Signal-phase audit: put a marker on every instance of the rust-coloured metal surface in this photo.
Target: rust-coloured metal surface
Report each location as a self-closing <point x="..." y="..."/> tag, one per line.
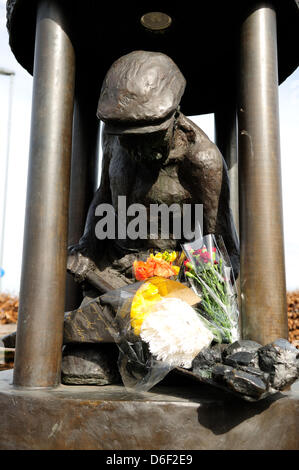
<point x="262" y="280"/>
<point x="40" y="323"/>
<point x="110" y="418"/>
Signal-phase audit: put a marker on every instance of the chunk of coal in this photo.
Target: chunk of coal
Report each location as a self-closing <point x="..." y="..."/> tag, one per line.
<point x="264" y="376"/>
<point x="245" y="384"/>
<point x="241" y="345"/>
<point x="281" y="360"/>
<point x="220" y="371"/>
<point x="86" y="364"/>
<point x="242" y="358"/>
<point x="207" y="358"/>
<point x="284" y="344"/>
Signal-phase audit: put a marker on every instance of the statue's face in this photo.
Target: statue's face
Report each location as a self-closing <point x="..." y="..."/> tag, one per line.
<point x="147" y="147"/>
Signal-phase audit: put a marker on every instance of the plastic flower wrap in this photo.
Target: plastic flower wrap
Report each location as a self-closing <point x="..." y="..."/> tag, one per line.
<point x="158" y="330"/>
<point x="209" y="272"/>
<point x="161" y="323"/>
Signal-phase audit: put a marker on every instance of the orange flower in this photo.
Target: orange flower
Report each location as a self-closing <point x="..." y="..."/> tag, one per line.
<point x="153" y="267"/>
<point x="142" y="270"/>
<point x="163" y="269"/>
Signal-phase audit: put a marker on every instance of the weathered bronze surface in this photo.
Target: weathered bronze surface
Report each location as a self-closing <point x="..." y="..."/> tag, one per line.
<point x="97" y="418"/>
<point x="156" y="21"/>
<point x="205" y="46"/>
<point x="86" y="324"/>
<point x="185" y="164"/>
<point x="85" y="364"/>
<point x="140" y="93"/>
<point x="263" y="287"/>
<point x="40" y="323"/>
<point x="94" y="417"/>
<point x="153" y="154"/>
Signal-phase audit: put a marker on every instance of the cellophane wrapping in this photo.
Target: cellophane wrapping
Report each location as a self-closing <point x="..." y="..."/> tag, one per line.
<point x="156" y="329"/>
<point x="209" y="272"/>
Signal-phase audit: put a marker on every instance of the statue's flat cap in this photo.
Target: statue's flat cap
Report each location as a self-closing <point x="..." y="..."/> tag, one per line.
<point x="140" y="92"/>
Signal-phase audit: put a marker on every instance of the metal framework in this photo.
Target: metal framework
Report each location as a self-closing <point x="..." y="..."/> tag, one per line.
<point x="42" y="295"/>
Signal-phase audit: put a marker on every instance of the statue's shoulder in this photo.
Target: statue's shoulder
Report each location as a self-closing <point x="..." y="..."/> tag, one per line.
<point x="194" y="134"/>
<point x="199" y="143"/>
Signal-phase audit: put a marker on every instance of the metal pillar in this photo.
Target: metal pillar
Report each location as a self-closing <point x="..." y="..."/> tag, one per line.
<point x="263" y="288"/>
<point x="84" y="173"/>
<point x="226" y="141"/>
<point x="40" y="324"/>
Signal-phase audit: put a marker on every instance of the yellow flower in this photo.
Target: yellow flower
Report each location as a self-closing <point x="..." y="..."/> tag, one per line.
<point x="166" y="256"/>
<point x="144" y="299"/>
<point x="176" y="269"/>
<point x="172" y="256"/>
<point x="154" y="291"/>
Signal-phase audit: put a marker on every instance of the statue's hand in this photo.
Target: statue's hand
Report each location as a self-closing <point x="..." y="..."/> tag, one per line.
<point x="79" y="265"/>
<point x="80" y="247"/>
<point x="88" y="246"/>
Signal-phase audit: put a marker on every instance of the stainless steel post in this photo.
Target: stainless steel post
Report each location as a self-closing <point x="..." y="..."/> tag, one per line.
<point x="40" y="324"/>
<point x="263" y="288"/>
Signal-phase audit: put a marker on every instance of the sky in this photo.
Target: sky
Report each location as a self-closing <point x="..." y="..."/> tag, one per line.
<point x="19" y="150"/>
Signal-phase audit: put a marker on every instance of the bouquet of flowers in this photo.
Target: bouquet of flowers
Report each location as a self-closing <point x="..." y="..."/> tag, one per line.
<point x="157" y="329"/>
<point x="159" y="264"/>
<point x="209" y="272"/>
<point x="162" y="323"/>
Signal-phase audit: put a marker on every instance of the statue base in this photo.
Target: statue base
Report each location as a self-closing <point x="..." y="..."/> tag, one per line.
<point x="111" y="418"/>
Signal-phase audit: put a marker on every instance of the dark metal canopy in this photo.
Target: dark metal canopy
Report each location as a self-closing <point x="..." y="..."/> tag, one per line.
<point x="203" y="40"/>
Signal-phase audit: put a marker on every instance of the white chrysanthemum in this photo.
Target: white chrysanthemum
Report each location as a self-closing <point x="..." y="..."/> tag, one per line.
<point x="174" y="332"/>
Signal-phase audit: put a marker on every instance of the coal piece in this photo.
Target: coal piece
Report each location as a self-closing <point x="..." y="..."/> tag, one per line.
<point x="220" y="371"/>
<point x="281" y="360"/>
<point x="245" y="384"/>
<point x="241" y="345"/>
<point x="242" y="358"/>
<point x="207" y="358"/>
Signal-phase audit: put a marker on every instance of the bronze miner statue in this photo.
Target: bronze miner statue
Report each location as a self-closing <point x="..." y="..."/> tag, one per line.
<point x="152" y="154"/>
